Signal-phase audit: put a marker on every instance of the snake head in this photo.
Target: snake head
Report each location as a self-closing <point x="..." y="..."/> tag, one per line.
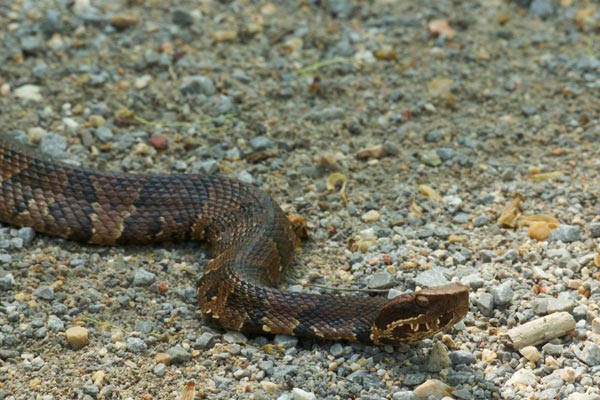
<point x="415" y="316"/>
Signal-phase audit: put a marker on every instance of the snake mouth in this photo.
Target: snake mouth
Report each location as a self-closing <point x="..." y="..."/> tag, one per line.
<point x="419" y="315"/>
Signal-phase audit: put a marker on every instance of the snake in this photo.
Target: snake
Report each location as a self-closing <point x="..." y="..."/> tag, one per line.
<point x="251" y="241"/>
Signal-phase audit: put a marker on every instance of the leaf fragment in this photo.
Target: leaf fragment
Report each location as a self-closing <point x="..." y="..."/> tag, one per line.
<point x="336" y="179"/>
<point x="512" y="211"/>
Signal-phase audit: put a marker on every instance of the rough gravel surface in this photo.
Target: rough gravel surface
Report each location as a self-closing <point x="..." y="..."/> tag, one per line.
<point x="439" y="114"/>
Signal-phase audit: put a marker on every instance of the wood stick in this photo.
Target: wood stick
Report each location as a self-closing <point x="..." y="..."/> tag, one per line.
<point x="541" y="330"/>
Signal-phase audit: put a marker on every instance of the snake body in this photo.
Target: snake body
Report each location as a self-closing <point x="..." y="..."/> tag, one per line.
<point x="250" y="237"/>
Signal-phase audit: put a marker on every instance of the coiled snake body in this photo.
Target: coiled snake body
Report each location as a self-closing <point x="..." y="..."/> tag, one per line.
<point x="250" y="237"/>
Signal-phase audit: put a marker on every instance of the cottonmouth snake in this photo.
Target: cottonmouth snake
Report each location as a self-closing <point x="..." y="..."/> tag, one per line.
<point x="250" y="237"/>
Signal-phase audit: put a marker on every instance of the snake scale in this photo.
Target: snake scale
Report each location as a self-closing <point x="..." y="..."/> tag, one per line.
<point x="250" y="237"/>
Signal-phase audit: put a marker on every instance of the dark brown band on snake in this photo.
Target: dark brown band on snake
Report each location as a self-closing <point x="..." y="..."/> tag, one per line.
<point x="250" y="237"/>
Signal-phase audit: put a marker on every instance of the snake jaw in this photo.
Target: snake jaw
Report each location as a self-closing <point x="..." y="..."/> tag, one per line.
<point x="415" y="316"/>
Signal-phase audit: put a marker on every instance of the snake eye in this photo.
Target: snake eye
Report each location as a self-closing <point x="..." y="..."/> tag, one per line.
<point x="422" y="301"/>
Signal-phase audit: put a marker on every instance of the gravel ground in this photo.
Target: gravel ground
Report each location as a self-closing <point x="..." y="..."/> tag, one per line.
<point x="438" y="114"/>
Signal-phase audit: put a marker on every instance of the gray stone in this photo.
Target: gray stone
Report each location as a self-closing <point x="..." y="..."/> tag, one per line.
<point x="452" y="203"/>
<point x="160" y="369"/>
<point x="553" y="349"/>
<point x="198" y="84"/>
<point x="433" y="136"/>
<point x="403" y="396"/>
<point x="480" y="221"/>
<point x="326" y="114"/>
<point x="103" y="134"/>
<point x="31" y="43"/>
<point x="462" y="357"/>
<point x="474" y="281"/>
<point x="445" y="153"/>
<point x="595" y="230"/>
<point x="549" y="305"/>
<point x="340" y="8"/>
<point x="245" y="176"/>
<point x="208" y="167"/>
<point x="181" y="17"/>
<point x="381" y="280"/>
<point x="55" y="324"/>
<point x="90" y="389"/>
<point x="566" y="233"/>
<point x="590" y="354"/>
<point x="438" y="358"/>
<point x="336" y="349"/>
<point x="44" y="292"/>
<point x="206" y="340"/>
<point x="260" y="143"/>
<point x="485" y="302"/>
<point x="52" y="23"/>
<point x="16" y="243"/>
<point x="178" y="355"/>
<point x="136" y="345"/>
<point x="144" y="326"/>
<point x="502" y="294"/>
<point x="224" y="105"/>
<point x="7" y="281"/>
<point x="285" y="341"/>
<point x="235" y="337"/>
<point x="141" y="277"/>
<point x="6" y="259"/>
<point x="53" y="145"/>
<point x="27" y="234"/>
<point x="430" y="278"/>
<point x="414" y="379"/>
<point x="179" y="165"/>
<point x="430" y="158"/>
<point x="542" y="8"/>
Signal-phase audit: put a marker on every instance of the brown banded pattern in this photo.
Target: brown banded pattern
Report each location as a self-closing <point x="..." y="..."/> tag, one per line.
<point x="251" y="239"/>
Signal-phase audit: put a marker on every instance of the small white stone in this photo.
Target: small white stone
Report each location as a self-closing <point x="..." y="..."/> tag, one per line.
<point x="299" y="394"/>
<point x="29" y="92"/>
<point x="523" y="377"/>
<point x="371" y="216"/>
<point x="531" y="353"/>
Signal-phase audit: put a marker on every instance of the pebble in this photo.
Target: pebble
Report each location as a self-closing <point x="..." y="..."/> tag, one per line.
<point x="566" y="233"/>
<point x="198" y="85"/>
<point x="432" y="388"/>
<point x="77" y="337"/>
<point x="431" y="278"/>
<point x="206" y="340"/>
<point x="523" y="377"/>
<point x="29" y="92"/>
<point x="459" y="357"/>
<point x="261" y="143"/>
<point x="53" y="145"/>
<point x="179" y="355"/>
<point x="485" y="302"/>
<point x="381" y="280"/>
<point x="502" y="294"/>
<point x="541" y="8"/>
<point x="433" y="136"/>
<point x="44" y="292"/>
<point x="159" y="142"/>
<point x="55" y="323"/>
<point x="136" y="345"/>
<point x="6" y="281"/>
<point x="299" y="394"/>
<point x="181" y="17"/>
<point x="141" y="277"/>
<point x="371" y="216"/>
<point x="445" y="153"/>
<point x="430" y="158"/>
<point x="104" y="134"/>
<point x="336" y="349"/>
<point x="590" y="354"/>
<point x="595" y="230"/>
<point x="286" y="341"/>
<point x="531" y="353"/>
